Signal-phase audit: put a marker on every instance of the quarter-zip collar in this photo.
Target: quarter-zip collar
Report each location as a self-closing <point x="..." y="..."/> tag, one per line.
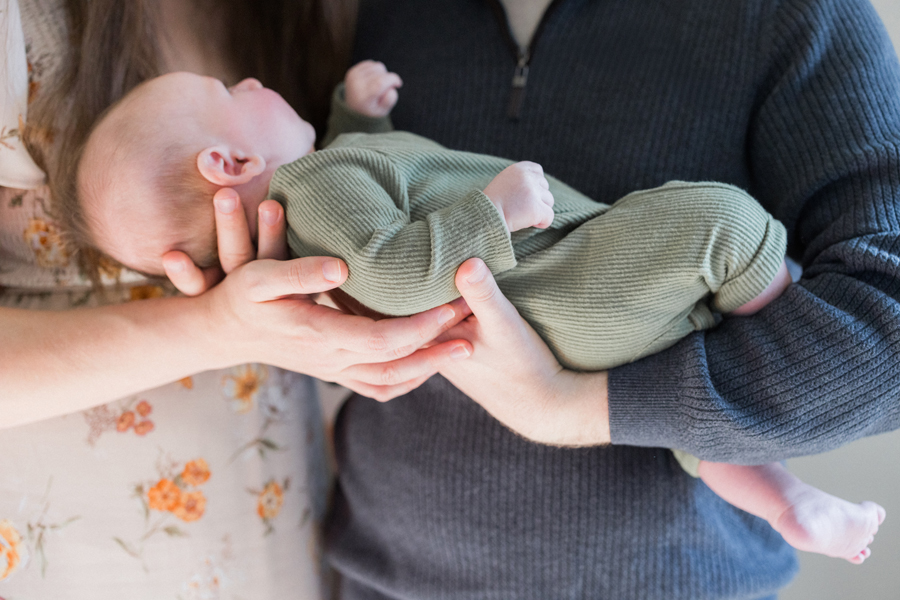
<point x="521" y="54"/>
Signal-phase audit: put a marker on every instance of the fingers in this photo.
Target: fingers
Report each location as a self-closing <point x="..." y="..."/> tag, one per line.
<point x="186" y="276"/>
<point x="389" y="339"/>
<point x="370" y="89"/>
<point x="272" y="226"/>
<point x="267" y="280"/>
<point x="477" y="286"/>
<point x="384" y="381"/>
<point x="545" y="212"/>
<point x="383" y="393"/>
<point x="232" y="231"/>
<point x="388" y="100"/>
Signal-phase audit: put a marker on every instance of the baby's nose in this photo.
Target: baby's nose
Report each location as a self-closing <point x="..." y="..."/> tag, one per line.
<point x="247" y="85"/>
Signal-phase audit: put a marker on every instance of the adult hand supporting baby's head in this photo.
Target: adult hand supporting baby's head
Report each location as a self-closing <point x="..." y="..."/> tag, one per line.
<point x="264" y="312"/>
<point x="234" y="243"/>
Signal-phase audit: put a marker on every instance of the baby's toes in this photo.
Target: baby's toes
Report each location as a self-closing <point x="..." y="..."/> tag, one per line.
<point x="859" y="558"/>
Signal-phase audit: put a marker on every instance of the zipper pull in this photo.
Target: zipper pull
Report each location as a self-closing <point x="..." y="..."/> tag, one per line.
<point x="517" y="95"/>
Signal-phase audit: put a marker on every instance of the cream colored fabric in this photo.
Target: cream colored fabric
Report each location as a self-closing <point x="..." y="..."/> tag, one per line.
<point x="16" y="167"/>
<point x="208" y="488"/>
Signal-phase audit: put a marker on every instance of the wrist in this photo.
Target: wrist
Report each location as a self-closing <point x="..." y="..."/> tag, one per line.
<point x="212" y="335"/>
<point x="585" y="400"/>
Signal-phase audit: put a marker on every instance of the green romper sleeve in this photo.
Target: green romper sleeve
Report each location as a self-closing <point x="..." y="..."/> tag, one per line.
<point x="354" y="204"/>
<point x="342" y="119"/>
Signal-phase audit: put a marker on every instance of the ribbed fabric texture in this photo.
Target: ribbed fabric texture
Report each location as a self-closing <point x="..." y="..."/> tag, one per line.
<point x="796" y="101"/>
<point x="603" y="286"/>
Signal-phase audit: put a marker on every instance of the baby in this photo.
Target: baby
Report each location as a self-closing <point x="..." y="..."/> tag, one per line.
<point x="603" y="285"/>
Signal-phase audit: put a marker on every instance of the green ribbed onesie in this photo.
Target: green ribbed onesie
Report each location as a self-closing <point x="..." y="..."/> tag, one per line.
<point x="603" y="285"/>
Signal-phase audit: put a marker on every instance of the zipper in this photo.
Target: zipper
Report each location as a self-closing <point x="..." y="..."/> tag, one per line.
<point x="522" y="56"/>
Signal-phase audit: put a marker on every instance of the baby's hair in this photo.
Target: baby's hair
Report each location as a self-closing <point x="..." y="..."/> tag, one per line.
<point x="186" y="193"/>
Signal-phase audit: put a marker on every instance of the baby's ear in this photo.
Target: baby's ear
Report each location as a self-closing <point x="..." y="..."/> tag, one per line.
<point x="223" y="166"/>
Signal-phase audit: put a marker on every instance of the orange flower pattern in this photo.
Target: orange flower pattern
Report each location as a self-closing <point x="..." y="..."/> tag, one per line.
<point x="164" y="496"/>
<point x="36" y="561"/>
<point x="11" y="549"/>
<point x="191" y="506"/>
<point x="176" y="496"/>
<point x="242" y="386"/>
<point x="128" y="417"/>
<point x="45" y="241"/>
<point x="196" y="472"/>
<point x="270" y="501"/>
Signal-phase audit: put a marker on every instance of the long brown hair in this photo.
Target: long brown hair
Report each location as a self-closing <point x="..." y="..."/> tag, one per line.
<point x="299" y="48"/>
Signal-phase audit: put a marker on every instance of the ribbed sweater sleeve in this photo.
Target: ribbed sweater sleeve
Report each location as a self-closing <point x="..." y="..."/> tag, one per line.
<point x="819" y="366"/>
<point x="343" y="119"/>
<point x="354" y="203"/>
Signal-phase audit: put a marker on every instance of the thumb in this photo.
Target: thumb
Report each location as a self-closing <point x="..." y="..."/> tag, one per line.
<point x="479" y="289"/>
<point x="188" y="277"/>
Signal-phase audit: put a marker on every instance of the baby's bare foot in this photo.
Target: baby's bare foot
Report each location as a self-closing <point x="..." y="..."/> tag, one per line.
<point x="821" y="523"/>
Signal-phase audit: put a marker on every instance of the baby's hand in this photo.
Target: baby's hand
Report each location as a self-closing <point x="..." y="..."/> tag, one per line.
<point x="370" y="89"/>
<point x="522" y="195"/>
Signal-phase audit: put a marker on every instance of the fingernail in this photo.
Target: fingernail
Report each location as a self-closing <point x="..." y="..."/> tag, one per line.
<point x="459" y="352"/>
<point x="175" y="266"/>
<point x="225" y="205"/>
<point x="331" y="269"/>
<point x="269" y="217"/>
<point x="478" y="274"/>
<point x="445" y="315"/>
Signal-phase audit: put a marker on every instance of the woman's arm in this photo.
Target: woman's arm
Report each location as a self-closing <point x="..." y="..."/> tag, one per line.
<point x="59" y="362"/>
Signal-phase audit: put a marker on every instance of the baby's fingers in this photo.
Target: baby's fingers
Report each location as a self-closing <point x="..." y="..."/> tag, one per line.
<point x="381" y="85"/>
<point x="545" y="217"/>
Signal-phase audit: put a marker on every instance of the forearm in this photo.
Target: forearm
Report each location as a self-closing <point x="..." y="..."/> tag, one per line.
<point x="819" y="366"/>
<point x="56" y="362"/>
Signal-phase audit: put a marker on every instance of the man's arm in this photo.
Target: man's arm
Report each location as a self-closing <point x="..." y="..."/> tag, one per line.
<point x="819" y="366"/>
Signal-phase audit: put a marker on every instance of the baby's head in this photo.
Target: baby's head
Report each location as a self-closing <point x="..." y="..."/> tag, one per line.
<point x="151" y="166"/>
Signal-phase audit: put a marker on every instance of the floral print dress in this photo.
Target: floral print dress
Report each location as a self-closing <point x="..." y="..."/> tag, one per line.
<point x="208" y="488"/>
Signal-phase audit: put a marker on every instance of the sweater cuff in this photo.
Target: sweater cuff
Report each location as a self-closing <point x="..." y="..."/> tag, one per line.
<point x="643" y="408"/>
<point x="753" y="280"/>
<point x="343" y="119"/>
<point x="490" y="240"/>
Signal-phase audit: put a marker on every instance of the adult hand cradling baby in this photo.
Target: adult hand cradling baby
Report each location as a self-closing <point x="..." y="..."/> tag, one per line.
<point x="381" y="359"/>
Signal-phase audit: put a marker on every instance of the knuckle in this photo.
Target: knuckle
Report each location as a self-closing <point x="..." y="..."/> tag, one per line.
<point x="484" y="292"/>
<point x="296" y="277"/>
<point x="377" y="342"/>
<point x="390" y="375"/>
<point x="403" y="351"/>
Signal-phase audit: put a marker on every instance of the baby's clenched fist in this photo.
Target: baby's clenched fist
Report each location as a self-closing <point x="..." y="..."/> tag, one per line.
<point x="522" y="195"/>
<point x="370" y="89"/>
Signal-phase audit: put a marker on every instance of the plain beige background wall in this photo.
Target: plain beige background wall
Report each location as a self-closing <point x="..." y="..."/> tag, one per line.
<point x="864" y="470"/>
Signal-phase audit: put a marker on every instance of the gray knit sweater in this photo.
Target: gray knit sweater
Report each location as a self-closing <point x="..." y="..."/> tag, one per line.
<point x="797" y="101"/>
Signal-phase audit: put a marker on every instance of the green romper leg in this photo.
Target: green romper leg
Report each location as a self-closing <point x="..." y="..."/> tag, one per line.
<point x="647" y="272"/>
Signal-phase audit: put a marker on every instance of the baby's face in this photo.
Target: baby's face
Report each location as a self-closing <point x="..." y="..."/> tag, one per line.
<point x="132" y="220"/>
